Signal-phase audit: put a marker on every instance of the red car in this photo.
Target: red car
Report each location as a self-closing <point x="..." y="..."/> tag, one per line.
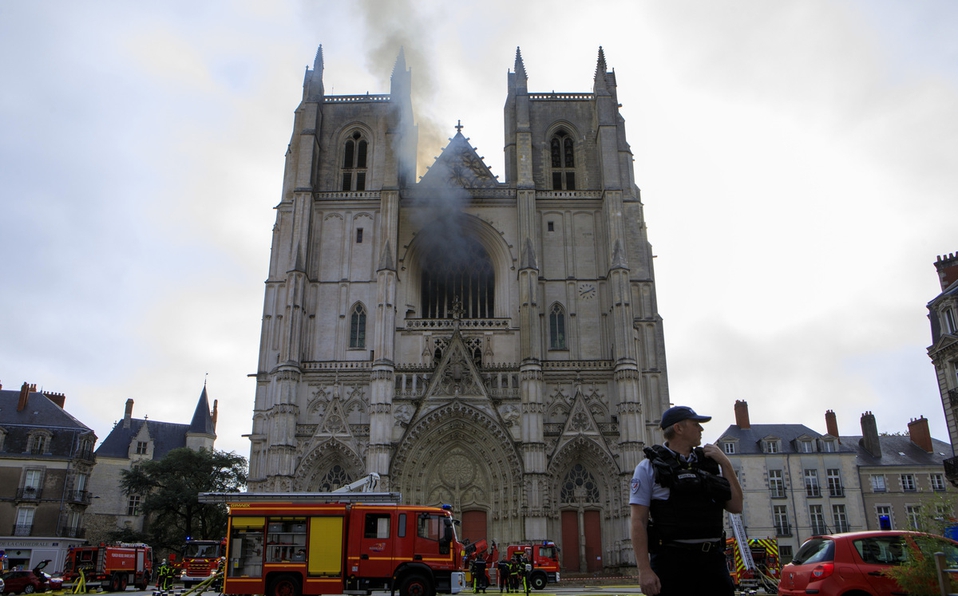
<point x="851" y="563"/>
<point x="28" y="582"/>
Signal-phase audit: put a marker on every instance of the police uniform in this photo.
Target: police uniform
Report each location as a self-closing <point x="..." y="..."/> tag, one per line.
<point x="686" y="499"/>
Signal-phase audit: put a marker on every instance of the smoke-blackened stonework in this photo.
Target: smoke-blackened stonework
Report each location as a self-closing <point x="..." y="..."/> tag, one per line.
<point x="494" y="345"/>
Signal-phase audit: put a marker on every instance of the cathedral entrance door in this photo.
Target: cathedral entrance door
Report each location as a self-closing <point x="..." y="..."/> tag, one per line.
<point x="474" y="525"/>
<point x="581" y="540"/>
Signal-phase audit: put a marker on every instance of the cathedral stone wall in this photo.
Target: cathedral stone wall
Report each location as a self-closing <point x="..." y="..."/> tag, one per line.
<point x="493" y="345"/>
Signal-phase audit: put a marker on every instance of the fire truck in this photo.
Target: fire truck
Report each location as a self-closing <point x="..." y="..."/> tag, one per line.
<point x="201" y="558"/>
<point x="752" y="562"/>
<point x="110" y="566"/>
<point x="282" y="544"/>
<point x="544" y="556"/>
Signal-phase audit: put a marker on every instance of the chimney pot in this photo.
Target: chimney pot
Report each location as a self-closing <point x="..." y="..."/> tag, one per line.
<point x="741" y="414"/>
<point x="128" y="415"/>
<point x="870" y="435"/>
<point x="920" y="434"/>
<point x="24" y="396"/>
<point x="831" y="424"/>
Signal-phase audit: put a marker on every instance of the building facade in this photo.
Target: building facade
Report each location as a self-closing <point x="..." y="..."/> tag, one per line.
<point x="901" y="475"/>
<point x="493" y="345"/>
<point x="796" y="482"/>
<point x="132" y="441"/>
<point x="46" y="459"/>
<point x="943" y="316"/>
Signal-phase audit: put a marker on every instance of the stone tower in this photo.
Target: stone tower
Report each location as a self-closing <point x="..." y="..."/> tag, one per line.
<point x="491" y="345"/>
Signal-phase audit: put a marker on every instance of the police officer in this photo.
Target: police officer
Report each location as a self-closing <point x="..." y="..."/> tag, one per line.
<point x="678" y="494"/>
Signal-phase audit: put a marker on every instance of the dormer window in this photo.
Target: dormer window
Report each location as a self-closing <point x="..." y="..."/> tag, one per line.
<point x="729" y="447"/>
<point x="771" y="446"/>
<point x="38" y="443"/>
<point x="807" y="446"/>
<point x="562" y="151"/>
<point x="828" y="446"/>
<point x="354" y="162"/>
<point x="141" y="447"/>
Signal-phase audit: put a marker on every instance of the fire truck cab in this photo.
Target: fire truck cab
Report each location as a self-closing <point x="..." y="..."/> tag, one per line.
<point x="292" y="544"/>
<point x="201" y="559"/>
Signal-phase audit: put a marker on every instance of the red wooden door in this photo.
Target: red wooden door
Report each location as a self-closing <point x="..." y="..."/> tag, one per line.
<point x="473" y="526"/>
<point x="593" y="541"/>
<point x="570" y="541"/>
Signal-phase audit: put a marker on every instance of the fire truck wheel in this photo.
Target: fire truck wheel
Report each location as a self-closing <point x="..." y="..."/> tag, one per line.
<point x="115" y="583"/>
<point x="415" y="585"/>
<point x="124" y="582"/>
<point x="283" y="585"/>
<point x="538" y="581"/>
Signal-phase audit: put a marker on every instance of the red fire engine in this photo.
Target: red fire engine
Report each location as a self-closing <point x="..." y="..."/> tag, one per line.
<point x="289" y="544"/>
<point x="201" y="559"/>
<point x="544" y="557"/>
<point x="110" y="566"/>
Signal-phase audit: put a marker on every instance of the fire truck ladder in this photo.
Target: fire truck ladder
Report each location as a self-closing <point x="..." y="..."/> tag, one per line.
<point x="742" y="540"/>
<point x="333" y="497"/>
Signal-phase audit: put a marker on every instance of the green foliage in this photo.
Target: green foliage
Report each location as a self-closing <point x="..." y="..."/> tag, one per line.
<point x="917" y="576"/>
<point x="169" y="489"/>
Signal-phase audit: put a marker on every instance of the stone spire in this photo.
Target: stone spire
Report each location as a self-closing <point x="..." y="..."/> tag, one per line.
<point x="600" y="70"/>
<point x="520" y="69"/>
<point x="400" y="66"/>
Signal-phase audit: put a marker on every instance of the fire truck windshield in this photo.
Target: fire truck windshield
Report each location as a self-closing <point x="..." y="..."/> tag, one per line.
<point x="200" y="550"/>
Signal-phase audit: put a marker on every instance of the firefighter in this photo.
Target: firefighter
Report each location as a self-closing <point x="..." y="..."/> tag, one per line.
<point x="514" y="573"/>
<point x="526" y="572"/>
<point x="503" y="575"/>
<point x="479" y="579"/>
<point x="164" y="580"/>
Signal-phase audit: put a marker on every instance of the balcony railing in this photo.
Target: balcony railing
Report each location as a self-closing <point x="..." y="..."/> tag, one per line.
<point x="813" y="490"/>
<point x="73" y="532"/>
<point x="80" y="497"/>
<point x="841" y="526"/>
<point x="783" y="529"/>
<point x="29" y="493"/>
<point x="22" y="529"/>
<point x="777" y="492"/>
<point x="819" y="528"/>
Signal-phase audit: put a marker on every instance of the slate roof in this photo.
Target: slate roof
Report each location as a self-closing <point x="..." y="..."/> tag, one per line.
<point x="750" y="439"/>
<point x="900" y="451"/>
<point x="166" y="436"/>
<point x="39" y="412"/>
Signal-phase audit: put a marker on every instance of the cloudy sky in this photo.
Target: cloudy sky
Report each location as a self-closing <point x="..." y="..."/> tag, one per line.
<point x="798" y="162"/>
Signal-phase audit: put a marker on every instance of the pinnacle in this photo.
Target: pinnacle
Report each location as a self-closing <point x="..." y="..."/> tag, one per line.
<point x="520" y="66"/>
<point x="400" y="62"/>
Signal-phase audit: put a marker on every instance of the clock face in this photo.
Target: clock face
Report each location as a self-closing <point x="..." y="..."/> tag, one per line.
<point x="587" y="291"/>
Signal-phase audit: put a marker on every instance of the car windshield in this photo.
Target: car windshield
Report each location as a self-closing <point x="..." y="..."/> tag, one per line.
<point x="815" y="550"/>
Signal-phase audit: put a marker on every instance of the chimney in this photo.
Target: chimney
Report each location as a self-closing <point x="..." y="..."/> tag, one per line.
<point x="870" y="435"/>
<point x="24" y="396"/>
<point x="920" y="435"/>
<point x="947" y="267"/>
<point x="741" y="414"/>
<point x="215" y="412"/>
<point x="57" y="398"/>
<point x="128" y="415"/>
<point x="831" y="424"/>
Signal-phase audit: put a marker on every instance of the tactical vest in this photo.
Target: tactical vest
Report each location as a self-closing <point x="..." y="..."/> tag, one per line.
<point x="697" y="496"/>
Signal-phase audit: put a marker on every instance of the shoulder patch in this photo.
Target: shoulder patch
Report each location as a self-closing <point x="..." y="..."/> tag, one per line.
<point x="635" y="485"/>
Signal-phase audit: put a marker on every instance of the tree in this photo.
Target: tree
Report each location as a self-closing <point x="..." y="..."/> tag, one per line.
<point x="169" y="489"/>
<point x="917" y="575"/>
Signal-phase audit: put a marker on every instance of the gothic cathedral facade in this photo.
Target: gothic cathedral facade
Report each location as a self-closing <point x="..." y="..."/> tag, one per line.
<point x="492" y="345"/>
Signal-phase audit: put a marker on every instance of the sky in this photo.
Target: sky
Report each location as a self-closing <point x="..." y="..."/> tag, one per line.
<point x="798" y="162"/>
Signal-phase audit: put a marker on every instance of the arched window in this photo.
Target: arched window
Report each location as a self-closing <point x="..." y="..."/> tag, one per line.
<point x="562" y="149"/>
<point x="557" y="328"/>
<point x="457" y="276"/>
<point x="357" y="327"/>
<point x="579" y="486"/>
<point x="335" y="478"/>
<point x="354" y="162"/>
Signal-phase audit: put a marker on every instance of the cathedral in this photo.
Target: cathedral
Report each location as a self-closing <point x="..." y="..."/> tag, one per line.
<point x="494" y="345"/>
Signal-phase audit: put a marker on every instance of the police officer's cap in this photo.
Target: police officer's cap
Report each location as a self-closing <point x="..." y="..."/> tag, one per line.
<point x="680" y="413"/>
